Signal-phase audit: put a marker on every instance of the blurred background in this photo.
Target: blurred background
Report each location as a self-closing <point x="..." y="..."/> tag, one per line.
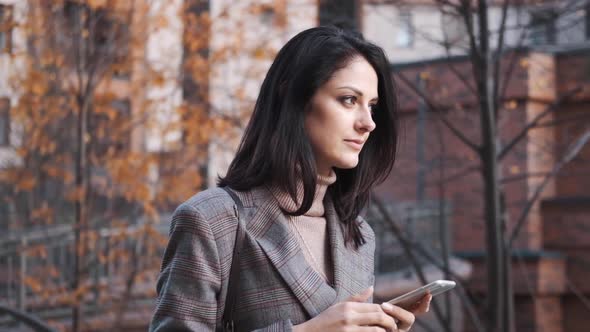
<point x="112" y="113"/>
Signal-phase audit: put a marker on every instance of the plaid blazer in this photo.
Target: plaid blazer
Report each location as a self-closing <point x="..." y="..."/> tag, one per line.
<point x="277" y="289"/>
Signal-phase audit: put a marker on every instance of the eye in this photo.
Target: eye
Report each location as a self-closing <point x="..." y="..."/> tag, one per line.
<point x="348" y="100"/>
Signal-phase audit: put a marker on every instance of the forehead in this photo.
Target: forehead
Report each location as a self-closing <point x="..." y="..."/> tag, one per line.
<point x="357" y="73"/>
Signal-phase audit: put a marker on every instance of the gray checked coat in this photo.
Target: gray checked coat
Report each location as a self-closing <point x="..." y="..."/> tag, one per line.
<point x="277" y="289"/>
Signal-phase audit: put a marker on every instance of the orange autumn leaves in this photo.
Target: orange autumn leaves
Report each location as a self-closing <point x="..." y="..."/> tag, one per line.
<point x="127" y="187"/>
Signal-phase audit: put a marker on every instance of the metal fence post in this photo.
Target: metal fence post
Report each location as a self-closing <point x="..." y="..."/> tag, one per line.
<point x="22" y="298"/>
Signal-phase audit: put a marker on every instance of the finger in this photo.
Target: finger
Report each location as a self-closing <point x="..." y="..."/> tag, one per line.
<point x="423" y="305"/>
<point x="362" y="307"/>
<point x="361" y="297"/>
<point x="375" y="319"/>
<point x="406" y="319"/>
<point x="371" y="329"/>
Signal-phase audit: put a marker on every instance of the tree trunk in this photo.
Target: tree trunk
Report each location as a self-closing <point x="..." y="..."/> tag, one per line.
<point x="80" y="206"/>
<point x="494" y="234"/>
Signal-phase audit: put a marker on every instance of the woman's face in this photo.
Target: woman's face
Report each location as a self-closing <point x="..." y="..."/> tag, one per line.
<point x="339" y="119"/>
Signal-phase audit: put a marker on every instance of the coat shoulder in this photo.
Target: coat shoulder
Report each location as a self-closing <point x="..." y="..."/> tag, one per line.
<point x="366" y="229"/>
<point x="211" y="205"/>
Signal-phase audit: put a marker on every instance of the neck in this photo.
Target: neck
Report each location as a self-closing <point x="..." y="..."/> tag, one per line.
<point x="325" y="172"/>
<point x="317" y="208"/>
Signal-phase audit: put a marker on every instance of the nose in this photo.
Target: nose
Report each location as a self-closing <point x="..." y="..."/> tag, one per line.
<point x="365" y="121"/>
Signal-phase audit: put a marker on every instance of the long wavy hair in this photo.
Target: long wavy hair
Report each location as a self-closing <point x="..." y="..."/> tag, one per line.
<point x="275" y="148"/>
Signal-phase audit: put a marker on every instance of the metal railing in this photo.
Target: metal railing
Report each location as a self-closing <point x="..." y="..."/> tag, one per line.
<point x="37" y="267"/>
<point x="420" y="223"/>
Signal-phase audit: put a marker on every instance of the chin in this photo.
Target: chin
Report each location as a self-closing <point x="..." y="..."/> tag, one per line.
<point x="347" y="164"/>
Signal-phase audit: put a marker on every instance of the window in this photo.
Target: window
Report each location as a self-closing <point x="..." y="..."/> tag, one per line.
<point x="341" y="13"/>
<point x="4" y="121"/>
<point x="542" y="25"/>
<point x="104" y="33"/>
<point x="102" y="27"/>
<point x="5" y="29"/>
<point x="454" y="29"/>
<point x="405" y="30"/>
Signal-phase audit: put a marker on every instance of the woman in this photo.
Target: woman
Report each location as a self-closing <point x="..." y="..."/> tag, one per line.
<point x="322" y="134"/>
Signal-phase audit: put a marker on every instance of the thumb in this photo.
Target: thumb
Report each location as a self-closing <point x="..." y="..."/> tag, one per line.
<point x="361" y="297"/>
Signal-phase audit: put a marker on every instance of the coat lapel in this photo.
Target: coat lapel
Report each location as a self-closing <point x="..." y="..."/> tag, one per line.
<point x="349" y="264"/>
<point x="268" y="225"/>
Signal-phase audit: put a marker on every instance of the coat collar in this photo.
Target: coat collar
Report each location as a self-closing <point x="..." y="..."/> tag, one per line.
<point x="268" y="225"/>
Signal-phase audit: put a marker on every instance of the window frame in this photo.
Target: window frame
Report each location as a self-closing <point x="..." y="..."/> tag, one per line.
<point x="543" y="24"/>
<point x="4" y="121"/>
<point x="6" y="28"/>
<point x="405" y="26"/>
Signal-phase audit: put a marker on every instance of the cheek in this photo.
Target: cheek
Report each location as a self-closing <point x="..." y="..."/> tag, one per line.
<point x="321" y="133"/>
<point x="317" y="132"/>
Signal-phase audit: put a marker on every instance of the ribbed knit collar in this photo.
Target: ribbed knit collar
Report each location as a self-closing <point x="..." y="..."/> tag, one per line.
<point x="317" y="207"/>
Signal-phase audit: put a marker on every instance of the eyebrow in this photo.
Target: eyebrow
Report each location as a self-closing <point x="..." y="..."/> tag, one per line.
<point x="357" y="91"/>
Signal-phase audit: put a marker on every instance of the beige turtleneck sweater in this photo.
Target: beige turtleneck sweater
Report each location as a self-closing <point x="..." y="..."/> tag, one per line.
<point x="310" y="229"/>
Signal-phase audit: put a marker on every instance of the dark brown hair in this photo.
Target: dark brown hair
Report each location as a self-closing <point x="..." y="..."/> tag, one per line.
<point x="275" y="144"/>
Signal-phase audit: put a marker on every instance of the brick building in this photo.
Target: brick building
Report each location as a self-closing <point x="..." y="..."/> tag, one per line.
<point x="551" y="257"/>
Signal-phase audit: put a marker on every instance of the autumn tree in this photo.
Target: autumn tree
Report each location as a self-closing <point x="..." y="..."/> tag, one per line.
<point x="115" y="123"/>
<point x="79" y="167"/>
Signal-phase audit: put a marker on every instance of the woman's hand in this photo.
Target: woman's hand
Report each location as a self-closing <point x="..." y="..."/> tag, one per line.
<point x="405" y="318"/>
<point x="351" y="315"/>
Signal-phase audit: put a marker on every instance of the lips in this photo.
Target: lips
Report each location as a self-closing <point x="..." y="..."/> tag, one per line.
<point x="355" y="143"/>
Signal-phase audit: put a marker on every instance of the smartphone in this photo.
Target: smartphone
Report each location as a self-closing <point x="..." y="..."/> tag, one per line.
<point x="434" y="288"/>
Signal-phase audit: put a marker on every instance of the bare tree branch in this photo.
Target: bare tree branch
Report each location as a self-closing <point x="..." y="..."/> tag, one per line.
<point x="442" y="220"/>
<point x="498" y="56"/>
<point x="522" y="176"/>
<point x="563" y="120"/>
<point x="585" y="301"/>
<point x="512" y="62"/>
<point x="465" y="10"/>
<point x="467" y="170"/>
<point x="447" y="48"/>
<point x="535" y="122"/>
<point x="571" y="154"/>
<point x="439" y="112"/>
<point x="448" y="3"/>
<point x="520" y="45"/>
<point x="463" y="292"/>
<point x="27" y="319"/>
<point x="408" y="249"/>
